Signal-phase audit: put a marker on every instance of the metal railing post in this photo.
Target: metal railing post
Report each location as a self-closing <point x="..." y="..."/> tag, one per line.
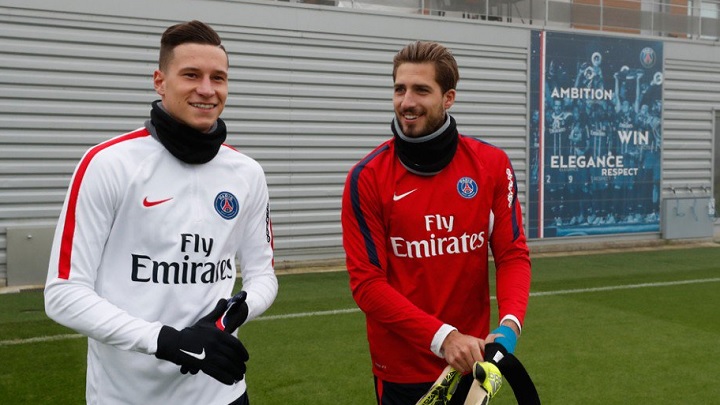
<point x="699" y="17"/>
<point x="652" y="18"/>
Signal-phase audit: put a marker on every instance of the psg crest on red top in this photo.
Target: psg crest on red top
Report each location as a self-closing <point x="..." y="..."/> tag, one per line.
<point x="467" y="187"/>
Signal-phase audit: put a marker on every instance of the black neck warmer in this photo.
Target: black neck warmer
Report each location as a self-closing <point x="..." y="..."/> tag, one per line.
<point x="184" y="142"/>
<point x="428" y="154"/>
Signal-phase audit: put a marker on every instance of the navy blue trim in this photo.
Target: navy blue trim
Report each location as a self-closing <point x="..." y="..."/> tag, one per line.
<point x="355" y="199"/>
<point x="472" y="138"/>
<point x="514" y="219"/>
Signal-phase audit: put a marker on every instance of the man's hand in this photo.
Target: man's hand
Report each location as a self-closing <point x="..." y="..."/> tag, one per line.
<point x="462" y="351"/>
<point x="505" y="334"/>
<point x="235" y="314"/>
<point x="204" y="347"/>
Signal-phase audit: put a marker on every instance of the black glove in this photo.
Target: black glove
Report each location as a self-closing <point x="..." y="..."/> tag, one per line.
<point x="204" y="347"/>
<point x="235" y="314"/>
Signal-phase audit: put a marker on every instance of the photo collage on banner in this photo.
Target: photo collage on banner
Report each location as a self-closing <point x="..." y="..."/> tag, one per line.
<point x="595" y="135"/>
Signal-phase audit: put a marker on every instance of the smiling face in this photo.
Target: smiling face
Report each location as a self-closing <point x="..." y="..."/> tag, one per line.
<point x="419" y="102"/>
<point x="194" y="84"/>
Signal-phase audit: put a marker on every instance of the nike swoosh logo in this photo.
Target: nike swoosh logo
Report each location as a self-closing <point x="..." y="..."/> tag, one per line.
<point x="148" y="203"/>
<point x="199" y="356"/>
<point x="401" y="196"/>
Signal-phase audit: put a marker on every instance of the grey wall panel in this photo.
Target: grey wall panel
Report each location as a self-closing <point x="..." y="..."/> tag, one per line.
<point x="691" y="93"/>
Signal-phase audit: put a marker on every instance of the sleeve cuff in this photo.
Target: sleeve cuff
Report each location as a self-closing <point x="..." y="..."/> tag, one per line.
<point x="514" y="319"/>
<point x="152" y="345"/>
<point x="439" y="338"/>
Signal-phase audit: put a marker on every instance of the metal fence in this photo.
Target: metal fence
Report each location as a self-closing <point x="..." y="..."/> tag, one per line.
<point x="689" y="19"/>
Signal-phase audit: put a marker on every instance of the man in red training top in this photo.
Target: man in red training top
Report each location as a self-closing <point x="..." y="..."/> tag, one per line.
<point x="419" y="215"/>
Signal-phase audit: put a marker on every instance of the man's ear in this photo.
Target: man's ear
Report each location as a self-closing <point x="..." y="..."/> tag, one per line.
<point x="159" y="82"/>
<point x="449" y="98"/>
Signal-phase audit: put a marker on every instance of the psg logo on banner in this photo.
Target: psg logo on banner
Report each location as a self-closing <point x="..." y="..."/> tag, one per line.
<point x="226" y="205"/>
<point x="647" y="57"/>
<point x="467" y="187"/>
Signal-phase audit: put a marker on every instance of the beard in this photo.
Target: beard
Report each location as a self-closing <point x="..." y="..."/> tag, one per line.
<point x="427" y="124"/>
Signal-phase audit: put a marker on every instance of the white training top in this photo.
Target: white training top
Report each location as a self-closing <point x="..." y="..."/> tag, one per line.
<point x="146" y="240"/>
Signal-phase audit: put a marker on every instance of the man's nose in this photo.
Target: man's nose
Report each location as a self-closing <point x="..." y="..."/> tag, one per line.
<point x="409" y="100"/>
<point x="205" y="88"/>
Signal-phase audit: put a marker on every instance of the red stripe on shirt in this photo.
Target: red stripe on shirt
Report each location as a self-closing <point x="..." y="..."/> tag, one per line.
<point x="69" y="223"/>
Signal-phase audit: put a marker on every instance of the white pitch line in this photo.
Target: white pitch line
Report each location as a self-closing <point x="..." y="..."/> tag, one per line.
<point x="625" y="287"/>
<point x="307" y="314"/>
<point x="52" y="338"/>
<point x="352" y="310"/>
<point x="532" y="294"/>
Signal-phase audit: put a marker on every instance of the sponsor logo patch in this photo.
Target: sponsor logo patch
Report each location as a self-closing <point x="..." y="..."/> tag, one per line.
<point x="510" y="187"/>
<point x="199" y="356"/>
<point x="401" y="196"/>
<point x="151" y="203"/>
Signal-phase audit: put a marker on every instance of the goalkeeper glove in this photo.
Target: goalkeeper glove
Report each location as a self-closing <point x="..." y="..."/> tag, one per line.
<point x="489" y="377"/>
<point x="203" y="346"/>
<point x="443" y="389"/>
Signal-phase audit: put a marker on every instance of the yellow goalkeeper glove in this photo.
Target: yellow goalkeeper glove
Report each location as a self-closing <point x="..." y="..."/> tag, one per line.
<point x="489" y="377"/>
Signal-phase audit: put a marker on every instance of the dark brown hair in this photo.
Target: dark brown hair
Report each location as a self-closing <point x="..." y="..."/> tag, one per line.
<point x="446" y="69"/>
<point x="194" y="32"/>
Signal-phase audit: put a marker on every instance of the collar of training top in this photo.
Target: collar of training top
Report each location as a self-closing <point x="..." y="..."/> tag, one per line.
<point x="428" y="154"/>
<point x="183" y="142"/>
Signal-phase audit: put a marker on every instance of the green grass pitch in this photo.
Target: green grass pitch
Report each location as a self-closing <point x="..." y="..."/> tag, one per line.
<point x="614" y="328"/>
